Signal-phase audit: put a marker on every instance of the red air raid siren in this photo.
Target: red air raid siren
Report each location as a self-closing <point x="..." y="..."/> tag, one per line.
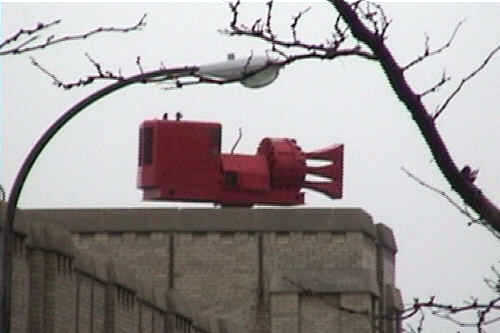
<point x="182" y="161"/>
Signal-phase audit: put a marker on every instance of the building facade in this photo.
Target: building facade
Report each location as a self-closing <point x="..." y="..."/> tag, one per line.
<point x="211" y="270"/>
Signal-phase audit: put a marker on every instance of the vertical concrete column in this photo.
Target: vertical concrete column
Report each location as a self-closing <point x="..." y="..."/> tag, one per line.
<point x="159" y="314"/>
<point x="145" y="308"/>
<point x="386" y="256"/>
<point x="50" y="291"/>
<point x="98" y="309"/>
<point x="121" y="303"/>
<point x="394" y="306"/>
<point x="285" y="313"/>
<point x="360" y="319"/>
<point x="37" y="283"/>
<point x="37" y="291"/>
<point x="20" y="285"/>
<point x="319" y="312"/>
<point x="90" y="280"/>
<point x="171" y="260"/>
<point x="151" y="309"/>
<point x="52" y="288"/>
<point x="60" y="287"/>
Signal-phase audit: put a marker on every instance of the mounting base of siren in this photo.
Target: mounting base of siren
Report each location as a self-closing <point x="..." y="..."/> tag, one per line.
<point x="182" y="161"/>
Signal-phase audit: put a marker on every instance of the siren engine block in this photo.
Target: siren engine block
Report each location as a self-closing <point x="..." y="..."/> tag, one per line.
<point x="182" y="161"/>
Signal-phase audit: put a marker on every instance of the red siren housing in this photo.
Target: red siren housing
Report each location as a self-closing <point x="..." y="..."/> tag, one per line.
<point x="182" y="161"/>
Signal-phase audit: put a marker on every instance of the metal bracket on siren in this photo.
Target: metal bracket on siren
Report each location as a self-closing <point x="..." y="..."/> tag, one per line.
<point x="182" y="161"/>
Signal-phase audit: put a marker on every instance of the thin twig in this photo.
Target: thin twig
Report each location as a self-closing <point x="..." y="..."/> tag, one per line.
<point x="441" y="193"/>
<point x="445" y="311"/>
<point x="494" y="284"/>
<point x="428" y="53"/>
<point x="138" y="63"/>
<point x="375" y="15"/>
<point x="257" y="26"/>
<point x="52" y="40"/>
<point x="464" y="80"/>
<point x="39" y="27"/>
<point x="26" y="42"/>
<point x="96" y="64"/>
<point x="295" y="21"/>
<point x="82" y="81"/>
<point x="421" y="320"/>
<point x="439" y="84"/>
<point x="233" y="6"/>
<point x="328" y="50"/>
<point x="269" y="30"/>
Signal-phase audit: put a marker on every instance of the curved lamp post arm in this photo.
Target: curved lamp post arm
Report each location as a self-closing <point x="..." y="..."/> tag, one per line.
<point x="67" y="116"/>
<point x="252" y="72"/>
<point x="30" y="160"/>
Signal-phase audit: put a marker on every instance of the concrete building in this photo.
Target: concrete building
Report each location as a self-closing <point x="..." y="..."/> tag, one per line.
<point x="206" y="270"/>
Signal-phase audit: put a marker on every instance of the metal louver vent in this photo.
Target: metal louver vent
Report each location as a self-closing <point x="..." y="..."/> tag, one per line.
<point x="145" y="146"/>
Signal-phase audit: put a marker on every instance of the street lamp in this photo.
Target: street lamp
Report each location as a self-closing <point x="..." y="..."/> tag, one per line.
<point x="252" y="72"/>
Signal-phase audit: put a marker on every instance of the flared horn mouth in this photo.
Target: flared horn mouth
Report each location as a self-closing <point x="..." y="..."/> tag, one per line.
<point x="332" y="171"/>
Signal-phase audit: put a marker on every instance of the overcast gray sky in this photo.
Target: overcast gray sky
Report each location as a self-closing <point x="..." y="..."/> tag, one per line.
<point x="92" y="162"/>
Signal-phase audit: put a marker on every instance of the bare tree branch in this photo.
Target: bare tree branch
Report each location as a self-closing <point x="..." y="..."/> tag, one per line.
<point x="269" y="30"/>
<point x="139" y="65"/>
<point x="441" y="108"/>
<point x="439" y="84"/>
<point x="39" y="27"/>
<point x="448" y="312"/>
<point x="96" y="64"/>
<point x="51" y="40"/>
<point x="257" y="26"/>
<point x="428" y="53"/>
<point x="330" y="49"/>
<point x="82" y="81"/>
<point x="469" y="192"/>
<point x="295" y="21"/>
<point x="421" y="320"/>
<point x="358" y="16"/>
<point x="373" y="14"/>
<point x="494" y="283"/>
<point x="461" y="209"/>
<point x="233" y="6"/>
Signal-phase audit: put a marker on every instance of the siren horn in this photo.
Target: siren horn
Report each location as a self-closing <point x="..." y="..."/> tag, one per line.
<point x="333" y="171"/>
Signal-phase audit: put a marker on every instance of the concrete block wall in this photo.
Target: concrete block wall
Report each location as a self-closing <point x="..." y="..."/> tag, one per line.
<point x="57" y="287"/>
<point x="217" y="270"/>
<point x="267" y="270"/>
